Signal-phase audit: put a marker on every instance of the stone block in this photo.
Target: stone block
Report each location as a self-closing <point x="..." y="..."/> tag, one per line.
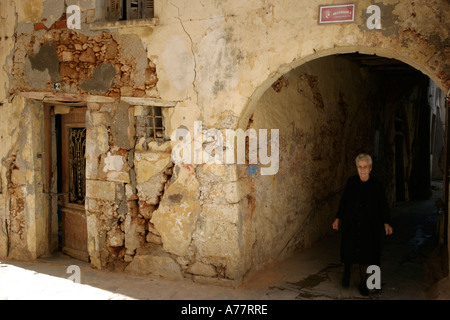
<point x="134" y="233"/>
<point x="146" y="210"/>
<point x="88" y="56"/>
<point x="199" y="268"/>
<point x="129" y="193"/>
<point x="115" y="238"/>
<point x="176" y="225"/>
<point x="222" y="212"/>
<point x="98" y="118"/>
<point x="219" y="243"/>
<point x="91" y="205"/>
<point x="148" y="164"/>
<point x="138" y="111"/>
<point x="93" y="242"/>
<point x="157" y="264"/>
<point x="97" y="141"/>
<point x="176" y="220"/>
<point x="126" y="91"/>
<point x="153" y="238"/>
<point x="91" y="167"/>
<point x="122" y="129"/>
<point x="67" y="56"/>
<point x="150" y="191"/>
<point x="118" y="176"/>
<point x="103" y="190"/>
<point x="113" y="162"/>
<point x="67" y="71"/>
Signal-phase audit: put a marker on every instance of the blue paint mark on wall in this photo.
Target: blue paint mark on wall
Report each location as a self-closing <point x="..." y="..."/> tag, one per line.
<point x="252" y="170"/>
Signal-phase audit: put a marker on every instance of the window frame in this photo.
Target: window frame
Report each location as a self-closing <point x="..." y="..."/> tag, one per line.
<point x="122" y="10"/>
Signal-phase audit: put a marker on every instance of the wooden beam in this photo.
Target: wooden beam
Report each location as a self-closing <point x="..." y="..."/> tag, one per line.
<point x="137" y="101"/>
<point x="69" y="98"/>
<point x="73" y="99"/>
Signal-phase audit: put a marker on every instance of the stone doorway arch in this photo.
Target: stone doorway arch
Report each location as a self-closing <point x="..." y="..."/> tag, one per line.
<point x="436" y="75"/>
<point x="282" y="239"/>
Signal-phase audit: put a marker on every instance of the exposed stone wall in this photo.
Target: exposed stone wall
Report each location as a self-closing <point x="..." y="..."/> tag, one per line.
<point x="7" y="30"/>
<point x="22" y="223"/>
<point x="147" y="216"/>
<point x="208" y="222"/>
<point x="106" y="64"/>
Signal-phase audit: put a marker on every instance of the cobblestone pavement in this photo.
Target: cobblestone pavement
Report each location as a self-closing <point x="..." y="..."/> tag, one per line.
<point x="409" y="270"/>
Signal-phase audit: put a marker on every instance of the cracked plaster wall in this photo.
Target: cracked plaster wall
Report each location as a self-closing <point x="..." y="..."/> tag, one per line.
<point x="240" y="50"/>
<point x="216" y="59"/>
<point x="22" y="219"/>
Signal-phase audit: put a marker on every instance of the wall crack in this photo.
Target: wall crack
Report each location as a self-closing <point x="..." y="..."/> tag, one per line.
<point x="192" y="51"/>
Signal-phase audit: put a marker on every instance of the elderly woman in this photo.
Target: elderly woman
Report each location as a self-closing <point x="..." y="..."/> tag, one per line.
<point x="363" y="212"/>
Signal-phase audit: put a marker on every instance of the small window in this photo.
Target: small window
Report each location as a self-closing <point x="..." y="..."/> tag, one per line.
<point x="129" y="9"/>
<point x="150" y="124"/>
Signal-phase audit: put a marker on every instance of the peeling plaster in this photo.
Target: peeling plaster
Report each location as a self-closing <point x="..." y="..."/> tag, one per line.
<point x="218" y="63"/>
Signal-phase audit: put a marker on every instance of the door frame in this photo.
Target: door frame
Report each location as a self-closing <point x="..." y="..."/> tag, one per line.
<point x="51" y="175"/>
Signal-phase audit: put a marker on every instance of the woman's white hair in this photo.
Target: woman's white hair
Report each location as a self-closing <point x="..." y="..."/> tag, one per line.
<point x="364" y="156"/>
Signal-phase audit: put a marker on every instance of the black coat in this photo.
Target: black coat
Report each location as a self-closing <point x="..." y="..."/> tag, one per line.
<point x="363" y="211"/>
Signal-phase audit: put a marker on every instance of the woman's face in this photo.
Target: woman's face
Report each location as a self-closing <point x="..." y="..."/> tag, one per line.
<point x="364" y="169"/>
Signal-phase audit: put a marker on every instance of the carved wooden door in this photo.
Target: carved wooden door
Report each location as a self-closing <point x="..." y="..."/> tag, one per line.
<point x="73" y="162"/>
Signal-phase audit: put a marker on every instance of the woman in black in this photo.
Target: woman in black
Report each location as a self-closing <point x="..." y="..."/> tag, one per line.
<point x="362" y="214"/>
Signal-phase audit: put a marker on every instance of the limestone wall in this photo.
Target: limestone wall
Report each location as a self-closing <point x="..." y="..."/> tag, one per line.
<point x="23" y="220"/>
<point x="215" y="62"/>
<point x="326" y="111"/>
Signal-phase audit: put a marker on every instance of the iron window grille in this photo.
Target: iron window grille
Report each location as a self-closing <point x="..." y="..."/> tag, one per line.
<point x="150" y="125"/>
<point x="77" y="165"/>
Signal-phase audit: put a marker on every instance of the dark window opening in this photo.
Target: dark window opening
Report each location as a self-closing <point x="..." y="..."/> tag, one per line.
<point x="117" y="10"/>
<point x="150" y="125"/>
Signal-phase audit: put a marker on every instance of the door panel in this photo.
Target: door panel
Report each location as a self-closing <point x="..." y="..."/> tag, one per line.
<point x="73" y="164"/>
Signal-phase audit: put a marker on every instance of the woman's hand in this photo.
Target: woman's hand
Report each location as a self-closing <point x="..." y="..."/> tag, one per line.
<point x="388" y="229"/>
<point x="335" y="224"/>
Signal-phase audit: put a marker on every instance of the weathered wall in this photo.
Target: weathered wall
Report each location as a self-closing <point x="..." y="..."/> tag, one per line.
<point x="326" y="111"/>
<point x="100" y="64"/>
<point x="214" y="60"/>
<point x="7" y="24"/>
<point x="437" y="104"/>
<point x="22" y="230"/>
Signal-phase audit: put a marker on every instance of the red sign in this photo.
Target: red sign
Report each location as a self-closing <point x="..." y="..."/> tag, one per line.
<point x="340" y="13"/>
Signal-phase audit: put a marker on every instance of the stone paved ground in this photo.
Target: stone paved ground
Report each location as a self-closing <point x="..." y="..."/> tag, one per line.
<point x="409" y="270"/>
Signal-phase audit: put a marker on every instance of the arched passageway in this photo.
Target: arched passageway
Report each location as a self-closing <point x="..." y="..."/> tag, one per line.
<point x="327" y="111"/>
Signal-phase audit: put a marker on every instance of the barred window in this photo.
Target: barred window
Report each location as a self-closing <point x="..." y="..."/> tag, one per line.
<point x="150" y="124"/>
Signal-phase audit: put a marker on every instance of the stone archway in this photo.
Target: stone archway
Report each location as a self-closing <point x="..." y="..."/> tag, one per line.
<point x="293" y="208"/>
<point x="436" y="75"/>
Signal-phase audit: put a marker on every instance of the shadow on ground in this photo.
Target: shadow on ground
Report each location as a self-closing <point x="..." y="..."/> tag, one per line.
<point x="412" y="265"/>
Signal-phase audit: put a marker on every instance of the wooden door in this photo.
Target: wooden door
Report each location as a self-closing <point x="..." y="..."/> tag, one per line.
<point x="73" y="183"/>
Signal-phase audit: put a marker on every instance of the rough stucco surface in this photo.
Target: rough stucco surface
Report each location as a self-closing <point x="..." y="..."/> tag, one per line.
<point x="228" y="64"/>
<point x="324" y="114"/>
